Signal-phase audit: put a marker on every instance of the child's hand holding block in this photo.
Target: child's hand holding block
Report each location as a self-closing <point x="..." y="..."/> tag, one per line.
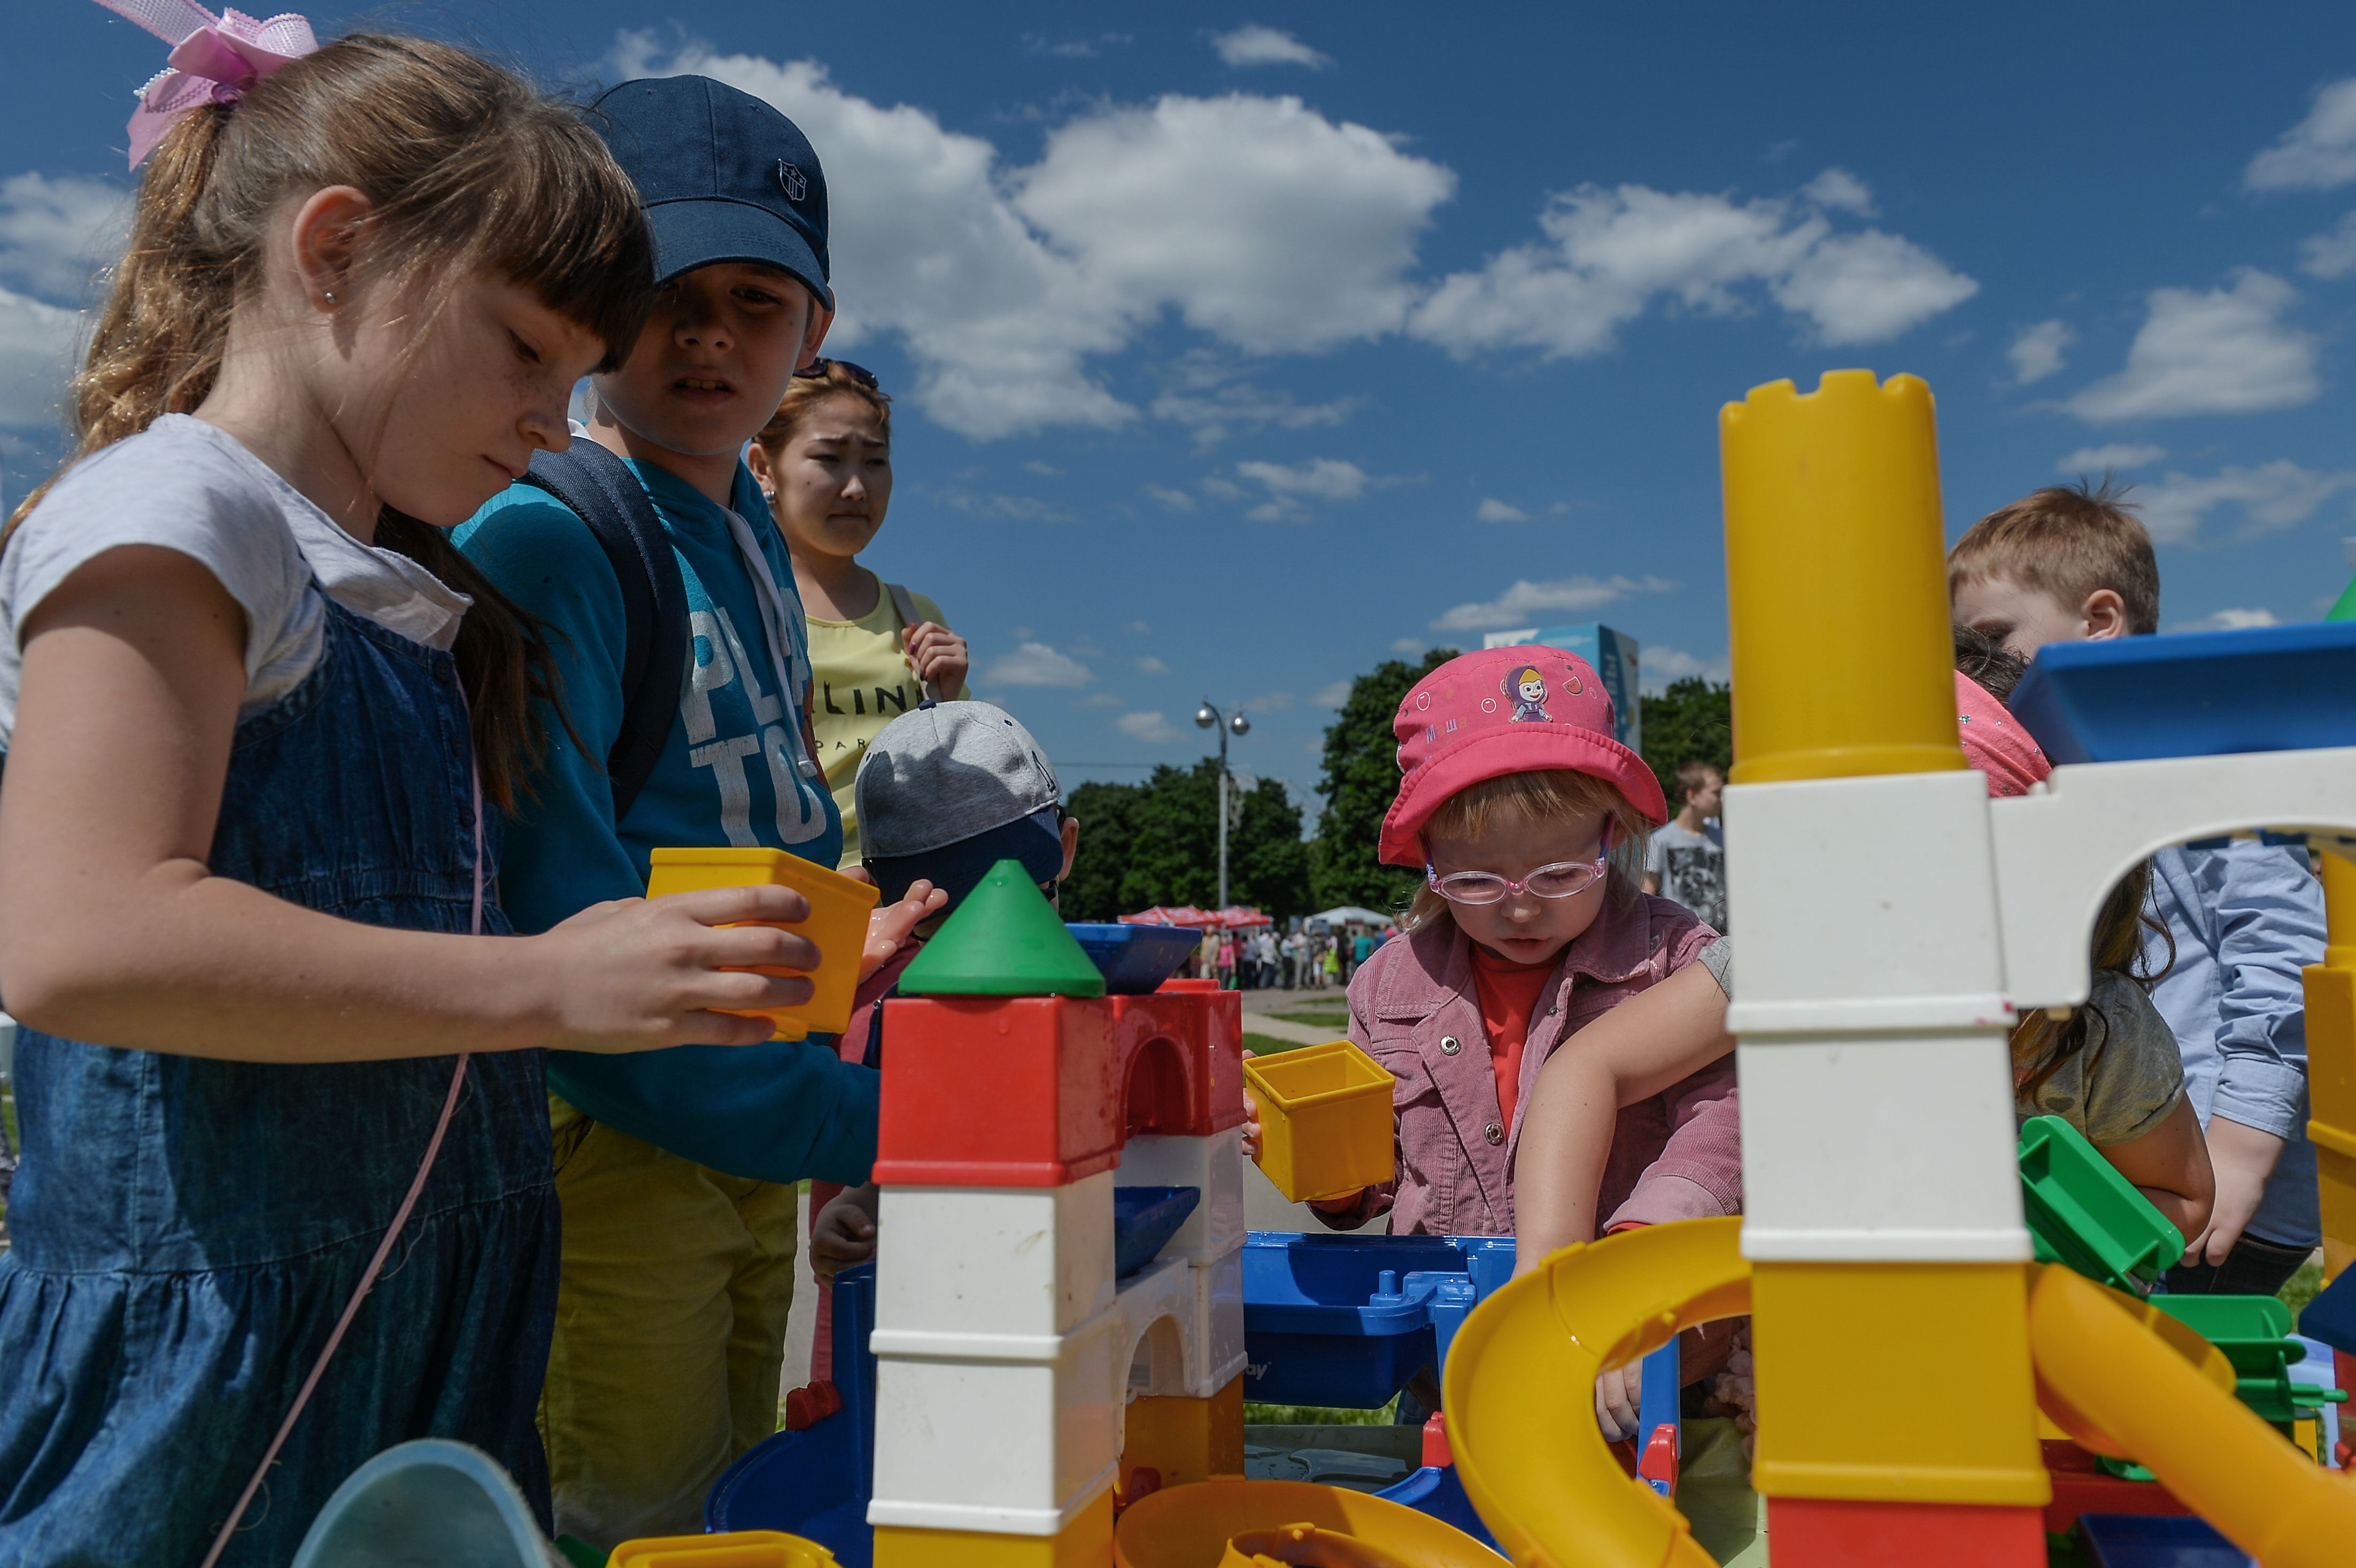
<point x="837" y="926"/>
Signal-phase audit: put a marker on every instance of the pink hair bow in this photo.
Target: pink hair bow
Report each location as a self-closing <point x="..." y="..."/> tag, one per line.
<point x="214" y="59"/>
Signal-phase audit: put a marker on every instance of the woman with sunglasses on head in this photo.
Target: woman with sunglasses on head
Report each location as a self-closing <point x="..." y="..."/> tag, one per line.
<point x="1527" y="819"/>
<point x="824" y="463"/>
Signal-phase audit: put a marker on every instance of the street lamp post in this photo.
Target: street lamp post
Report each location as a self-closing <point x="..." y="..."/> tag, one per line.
<point x="1209" y="717"/>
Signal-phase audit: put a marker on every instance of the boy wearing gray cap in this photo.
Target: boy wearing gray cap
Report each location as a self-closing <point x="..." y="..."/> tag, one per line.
<point x="944" y="794"/>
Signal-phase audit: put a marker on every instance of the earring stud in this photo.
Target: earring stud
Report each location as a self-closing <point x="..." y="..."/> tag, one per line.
<point x="330" y="294"/>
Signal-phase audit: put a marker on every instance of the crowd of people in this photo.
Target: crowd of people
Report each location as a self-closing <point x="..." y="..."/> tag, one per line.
<point x="340" y="720"/>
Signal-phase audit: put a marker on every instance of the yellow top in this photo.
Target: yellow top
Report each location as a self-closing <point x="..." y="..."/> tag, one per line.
<point x="1836" y="580"/>
<point x="863" y="682"/>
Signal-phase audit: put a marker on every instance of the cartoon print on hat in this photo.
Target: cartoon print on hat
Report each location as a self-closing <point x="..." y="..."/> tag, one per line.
<point x="1527" y="688"/>
<point x="1453" y="732"/>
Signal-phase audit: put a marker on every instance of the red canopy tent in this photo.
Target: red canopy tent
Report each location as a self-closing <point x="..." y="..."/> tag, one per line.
<point x="1173" y="915"/>
<point x="1237" y="917"/>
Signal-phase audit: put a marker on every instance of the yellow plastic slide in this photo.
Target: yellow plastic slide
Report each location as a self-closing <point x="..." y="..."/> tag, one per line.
<point x="2120" y="1377"/>
<point x="2170" y="1406"/>
<point x="1521" y="1381"/>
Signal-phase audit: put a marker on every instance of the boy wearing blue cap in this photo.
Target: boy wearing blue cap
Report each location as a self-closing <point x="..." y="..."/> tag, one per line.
<point x="676" y="629"/>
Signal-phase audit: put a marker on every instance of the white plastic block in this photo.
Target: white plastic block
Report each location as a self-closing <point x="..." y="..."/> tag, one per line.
<point x="1010" y="1434"/>
<point x="1216" y="1166"/>
<point x="1019" y="1261"/>
<point x="1160" y="1343"/>
<point x="1865" y="904"/>
<point x="1219" y="1318"/>
<point x="1897" y="1148"/>
<point x="2059" y="848"/>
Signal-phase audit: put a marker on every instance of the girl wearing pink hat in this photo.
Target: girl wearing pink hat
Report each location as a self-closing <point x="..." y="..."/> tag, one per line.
<point x="1527" y="819"/>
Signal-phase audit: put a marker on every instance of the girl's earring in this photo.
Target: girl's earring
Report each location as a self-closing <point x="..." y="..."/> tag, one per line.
<point x="329" y="294"/>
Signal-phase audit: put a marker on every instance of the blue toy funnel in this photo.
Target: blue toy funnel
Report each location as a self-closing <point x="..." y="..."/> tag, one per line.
<point x="428" y="1504"/>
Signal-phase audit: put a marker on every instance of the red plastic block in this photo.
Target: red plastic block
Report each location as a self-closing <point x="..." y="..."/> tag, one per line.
<point x="1436" y="1453"/>
<point x="1181" y="1061"/>
<point x="1824" y="1533"/>
<point x="998" y="1092"/>
<point x="1659" y="1462"/>
<point x="2082" y="1486"/>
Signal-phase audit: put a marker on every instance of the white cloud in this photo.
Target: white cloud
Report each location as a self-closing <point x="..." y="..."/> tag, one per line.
<point x="1259" y="220"/>
<point x="1527" y="601"/>
<point x="1659" y="664"/>
<point x="1151" y="666"/>
<point x="1611" y="254"/>
<point x="1408" y="645"/>
<point x="1266" y="703"/>
<point x="1036" y="664"/>
<point x="1323" y="478"/>
<point x="2036" y="351"/>
<point x="54" y="233"/>
<point x="2221" y="351"/>
<point x="1152" y="728"/>
<point x="1098" y="700"/>
<point x="2332" y="253"/>
<point x="1257" y="45"/>
<point x="2270" y="497"/>
<point x="1837" y="191"/>
<point x="1201" y="398"/>
<point x="1001" y="507"/>
<point x="2229" y="621"/>
<point x="1177" y="500"/>
<point x="1332" y="695"/>
<point x="36" y="345"/>
<point x="1495" y="511"/>
<point x="2317" y="154"/>
<point x="1256" y="219"/>
<point x="1040" y="465"/>
<point x="2118" y="455"/>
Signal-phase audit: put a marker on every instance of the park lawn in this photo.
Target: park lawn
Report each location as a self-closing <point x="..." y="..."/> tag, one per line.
<point x="1317" y="1017"/>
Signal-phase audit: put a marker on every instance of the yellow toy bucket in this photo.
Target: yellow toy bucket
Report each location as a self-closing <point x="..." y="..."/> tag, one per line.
<point x="838" y="905"/>
<point x="736" y="1549"/>
<point x="1230" y="1523"/>
<point x="1325" y="1120"/>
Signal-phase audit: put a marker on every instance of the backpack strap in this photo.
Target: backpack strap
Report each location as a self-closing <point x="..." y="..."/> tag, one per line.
<point x="904" y="605"/>
<point x="605" y="494"/>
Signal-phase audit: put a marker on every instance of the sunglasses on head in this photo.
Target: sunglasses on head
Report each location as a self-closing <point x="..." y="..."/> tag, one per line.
<point x="816" y="372"/>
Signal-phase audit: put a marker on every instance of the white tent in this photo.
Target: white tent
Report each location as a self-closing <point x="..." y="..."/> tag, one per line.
<point x="1350" y="915"/>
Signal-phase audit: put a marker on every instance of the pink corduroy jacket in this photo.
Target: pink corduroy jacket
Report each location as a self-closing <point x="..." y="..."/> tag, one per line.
<point x="1677" y="1156"/>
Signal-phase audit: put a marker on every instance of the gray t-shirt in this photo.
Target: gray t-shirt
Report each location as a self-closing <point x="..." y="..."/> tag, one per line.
<point x="2128" y="1077"/>
<point x="1692" y="869"/>
<point x="187" y="486"/>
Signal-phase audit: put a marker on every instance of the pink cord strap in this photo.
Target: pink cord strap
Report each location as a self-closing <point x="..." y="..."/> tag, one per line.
<point x="383" y="1248"/>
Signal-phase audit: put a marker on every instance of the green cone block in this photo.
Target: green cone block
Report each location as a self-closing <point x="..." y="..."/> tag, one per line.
<point x="1005" y="940"/>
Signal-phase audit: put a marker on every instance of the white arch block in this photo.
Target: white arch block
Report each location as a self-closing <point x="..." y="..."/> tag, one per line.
<point x="994" y="1260"/>
<point x="1865" y="904"/>
<point x="1214" y="1166"/>
<point x="2059" y="849"/>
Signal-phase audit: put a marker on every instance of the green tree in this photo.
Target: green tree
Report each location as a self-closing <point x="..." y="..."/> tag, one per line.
<point x="1693" y="720"/>
<point x="1361" y="779"/>
<point x="1093" y="890"/>
<point x="1157" y="843"/>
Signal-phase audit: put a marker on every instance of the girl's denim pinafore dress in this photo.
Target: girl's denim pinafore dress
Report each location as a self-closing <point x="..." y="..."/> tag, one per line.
<point x="187" y="1231"/>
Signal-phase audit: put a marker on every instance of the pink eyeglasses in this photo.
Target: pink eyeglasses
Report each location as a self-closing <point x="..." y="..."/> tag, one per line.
<point x="1560" y="880"/>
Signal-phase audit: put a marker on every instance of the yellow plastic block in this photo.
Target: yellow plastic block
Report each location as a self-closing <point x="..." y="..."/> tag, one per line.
<point x="837" y="922"/>
<point x="1085" y="1542"/>
<point x="1192" y="1527"/>
<point x="735" y="1549"/>
<point x="1325" y="1120"/>
<point x="1839" y="1345"/>
<point x="1185" y="1439"/>
<point x="2331" y="1067"/>
<point x="1836" y="582"/>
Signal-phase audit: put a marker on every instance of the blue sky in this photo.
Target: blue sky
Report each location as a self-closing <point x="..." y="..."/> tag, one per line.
<point x="1236" y="349"/>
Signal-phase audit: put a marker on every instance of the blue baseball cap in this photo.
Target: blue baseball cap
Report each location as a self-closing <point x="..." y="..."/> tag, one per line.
<point x="724" y="178"/>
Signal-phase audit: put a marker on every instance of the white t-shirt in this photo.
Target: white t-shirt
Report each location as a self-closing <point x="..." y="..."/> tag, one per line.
<point x="187" y="486"/>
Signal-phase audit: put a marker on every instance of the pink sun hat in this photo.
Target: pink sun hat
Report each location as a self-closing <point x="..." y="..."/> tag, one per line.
<point x="2005" y="755"/>
<point x="1505" y="710"/>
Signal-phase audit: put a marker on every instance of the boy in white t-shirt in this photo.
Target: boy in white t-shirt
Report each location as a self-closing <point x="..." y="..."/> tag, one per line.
<point x="1686" y="861"/>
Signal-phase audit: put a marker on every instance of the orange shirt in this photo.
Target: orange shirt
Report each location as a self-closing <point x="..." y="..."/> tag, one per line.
<point x="1508" y="994"/>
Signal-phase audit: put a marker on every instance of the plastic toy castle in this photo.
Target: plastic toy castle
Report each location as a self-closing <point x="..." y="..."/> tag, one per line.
<point x="1066" y="1309"/>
